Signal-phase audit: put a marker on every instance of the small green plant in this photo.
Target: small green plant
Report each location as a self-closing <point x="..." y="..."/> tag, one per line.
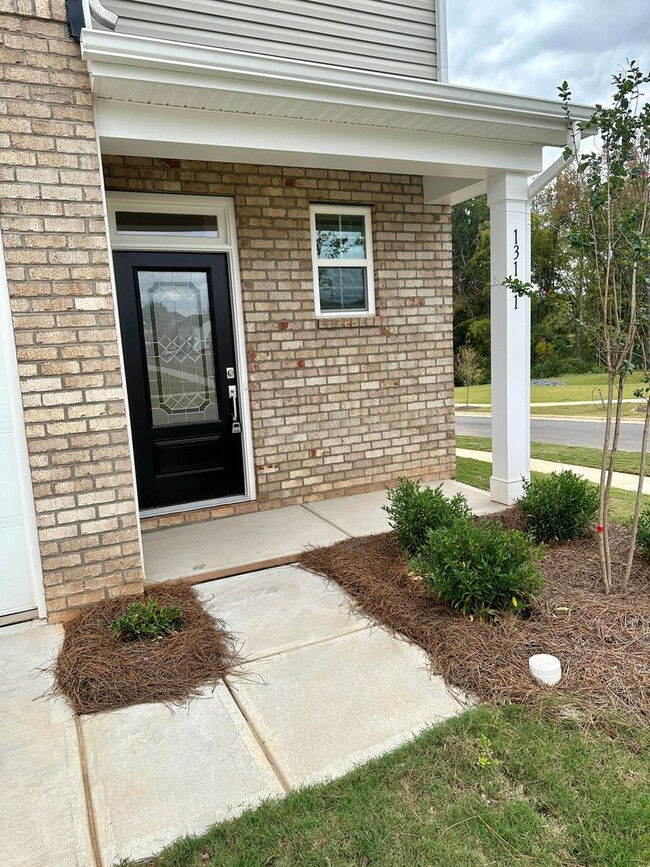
<point x="559" y="506"/>
<point x="413" y="511"/>
<point x="643" y="531"/>
<point x="148" y="620"/>
<point x="486" y="758"/>
<point x="480" y="569"/>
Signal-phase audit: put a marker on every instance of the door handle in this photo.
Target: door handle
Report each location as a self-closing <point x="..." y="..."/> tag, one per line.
<point x="232" y="394"/>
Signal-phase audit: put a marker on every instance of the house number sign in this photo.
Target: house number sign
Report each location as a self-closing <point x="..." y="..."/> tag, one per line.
<point x="515" y="258"/>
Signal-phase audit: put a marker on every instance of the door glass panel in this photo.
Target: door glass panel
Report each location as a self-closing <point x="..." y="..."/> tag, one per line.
<point x="178" y="345"/>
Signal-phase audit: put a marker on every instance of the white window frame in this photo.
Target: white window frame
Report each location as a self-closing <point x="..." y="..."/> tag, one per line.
<point x="368" y="263"/>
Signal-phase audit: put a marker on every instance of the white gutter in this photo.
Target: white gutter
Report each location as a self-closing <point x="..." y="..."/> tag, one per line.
<point x="442" y="51"/>
<point x="549" y="174"/>
<point x="102" y="15"/>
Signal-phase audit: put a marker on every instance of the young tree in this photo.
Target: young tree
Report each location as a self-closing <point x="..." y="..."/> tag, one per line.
<point x="615" y="240"/>
<point x="468" y="368"/>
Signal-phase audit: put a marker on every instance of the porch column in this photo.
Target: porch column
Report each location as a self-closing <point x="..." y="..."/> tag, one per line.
<point x="510" y="336"/>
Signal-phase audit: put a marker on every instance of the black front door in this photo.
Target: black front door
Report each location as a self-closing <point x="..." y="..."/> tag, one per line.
<point x="181" y="376"/>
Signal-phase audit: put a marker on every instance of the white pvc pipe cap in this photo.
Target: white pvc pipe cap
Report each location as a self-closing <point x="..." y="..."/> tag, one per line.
<point x="545" y="668"/>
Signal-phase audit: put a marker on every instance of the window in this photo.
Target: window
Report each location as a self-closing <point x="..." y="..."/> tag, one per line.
<point x="195" y="225"/>
<point x="342" y="257"/>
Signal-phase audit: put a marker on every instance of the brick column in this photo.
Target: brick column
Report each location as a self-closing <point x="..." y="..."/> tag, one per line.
<point x="52" y="221"/>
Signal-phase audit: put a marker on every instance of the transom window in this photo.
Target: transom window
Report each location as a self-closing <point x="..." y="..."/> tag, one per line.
<point x="342" y="257"/>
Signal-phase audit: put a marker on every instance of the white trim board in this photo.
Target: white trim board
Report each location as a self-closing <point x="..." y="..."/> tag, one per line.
<point x="224" y="209"/>
<point x="27" y="519"/>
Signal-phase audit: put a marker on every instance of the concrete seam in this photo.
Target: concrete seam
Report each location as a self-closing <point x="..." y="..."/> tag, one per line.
<point x="259" y="739"/>
<point x="306" y="507"/>
<point x="352" y="631"/>
<point x="90" y="810"/>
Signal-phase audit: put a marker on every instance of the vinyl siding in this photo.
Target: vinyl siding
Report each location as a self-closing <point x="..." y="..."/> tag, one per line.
<point x="394" y="36"/>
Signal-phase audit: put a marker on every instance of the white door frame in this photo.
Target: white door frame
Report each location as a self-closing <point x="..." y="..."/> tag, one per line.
<point x="226" y="242"/>
<point x="30" y="531"/>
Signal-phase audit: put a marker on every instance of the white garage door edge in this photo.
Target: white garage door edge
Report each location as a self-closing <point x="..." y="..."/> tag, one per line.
<point x="23" y="518"/>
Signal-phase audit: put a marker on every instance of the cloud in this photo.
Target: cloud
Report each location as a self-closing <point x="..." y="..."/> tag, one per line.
<point x="531" y="48"/>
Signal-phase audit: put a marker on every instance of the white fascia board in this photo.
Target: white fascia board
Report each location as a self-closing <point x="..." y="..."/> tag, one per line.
<point x="115" y="55"/>
<point x="229" y="137"/>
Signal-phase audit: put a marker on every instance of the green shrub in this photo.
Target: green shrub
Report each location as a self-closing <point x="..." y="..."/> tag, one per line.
<point x="643" y="532"/>
<point x="559" y="506"/>
<point x="414" y="511"/>
<point x="479" y="569"/>
<point x="148" y="620"/>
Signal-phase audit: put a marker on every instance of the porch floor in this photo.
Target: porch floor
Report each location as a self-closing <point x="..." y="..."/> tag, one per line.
<point x="260" y="540"/>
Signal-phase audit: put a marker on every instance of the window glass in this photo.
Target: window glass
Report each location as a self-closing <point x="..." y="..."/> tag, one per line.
<point x="342" y="288"/>
<point x="178" y="345"/>
<point x="143" y="223"/>
<point x="340" y="236"/>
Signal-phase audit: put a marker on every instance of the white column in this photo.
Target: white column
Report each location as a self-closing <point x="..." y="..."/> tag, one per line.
<point x="510" y="336"/>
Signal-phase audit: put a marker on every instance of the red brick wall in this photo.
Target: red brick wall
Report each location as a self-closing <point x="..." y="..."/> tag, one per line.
<point x="338" y="406"/>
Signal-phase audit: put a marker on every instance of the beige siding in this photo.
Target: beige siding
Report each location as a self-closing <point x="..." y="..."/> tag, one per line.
<point x="395" y="36"/>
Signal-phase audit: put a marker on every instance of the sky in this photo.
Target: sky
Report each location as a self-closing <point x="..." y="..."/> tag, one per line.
<point x="530" y="47"/>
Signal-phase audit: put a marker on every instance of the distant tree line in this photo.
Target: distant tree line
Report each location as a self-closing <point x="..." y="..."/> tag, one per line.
<point x="565" y="299"/>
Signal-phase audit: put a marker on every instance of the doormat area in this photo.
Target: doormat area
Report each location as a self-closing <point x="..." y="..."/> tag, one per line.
<point x="603" y="642"/>
<point x="96" y="671"/>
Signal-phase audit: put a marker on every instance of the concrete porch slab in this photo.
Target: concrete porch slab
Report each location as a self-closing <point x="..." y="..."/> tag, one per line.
<point x="279" y="609"/>
<point x="232" y="544"/>
<point x="157" y="773"/>
<point x="42" y="801"/>
<point x="363" y="514"/>
<point x="324" y="708"/>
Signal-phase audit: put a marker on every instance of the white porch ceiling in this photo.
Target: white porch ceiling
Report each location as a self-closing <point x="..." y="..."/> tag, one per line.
<point x="392" y="123"/>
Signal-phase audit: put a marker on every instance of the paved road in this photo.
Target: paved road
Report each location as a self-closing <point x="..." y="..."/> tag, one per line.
<point x="572" y="433"/>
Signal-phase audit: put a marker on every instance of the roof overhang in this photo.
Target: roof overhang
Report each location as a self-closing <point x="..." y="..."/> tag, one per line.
<point x="162" y="98"/>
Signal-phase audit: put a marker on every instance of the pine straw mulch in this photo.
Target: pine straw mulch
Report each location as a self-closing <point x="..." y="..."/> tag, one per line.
<point x="96" y="671"/>
<point x="603" y="642"/>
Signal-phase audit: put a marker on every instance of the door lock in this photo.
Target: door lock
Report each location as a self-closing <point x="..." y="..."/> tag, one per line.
<point x="232" y="394"/>
<point x="230" y="373"/>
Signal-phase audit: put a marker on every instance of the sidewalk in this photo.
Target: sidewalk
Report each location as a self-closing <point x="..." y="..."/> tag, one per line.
<point x="621" y="481"/>
<point x="322" y="690"/>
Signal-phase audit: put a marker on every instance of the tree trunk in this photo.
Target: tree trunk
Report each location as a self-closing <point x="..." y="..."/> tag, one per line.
<point x="639" y="495"/>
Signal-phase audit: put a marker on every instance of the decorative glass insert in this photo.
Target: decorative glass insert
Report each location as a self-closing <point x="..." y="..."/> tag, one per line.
<point x="189" y="225"/>
<point x="178" y="345"/>
<point x="342" y="259"/>
<point x="340" y="236"/>
<point x="342" y="288"/>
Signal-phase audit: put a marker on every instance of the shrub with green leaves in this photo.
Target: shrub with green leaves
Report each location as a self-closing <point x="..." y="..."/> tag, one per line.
<point x="148" y="619"/>
<point x="413" y="511"/>
<point x="559" y="506"/>
<point x="480" y="569"/>
<point x="643" y="532"/>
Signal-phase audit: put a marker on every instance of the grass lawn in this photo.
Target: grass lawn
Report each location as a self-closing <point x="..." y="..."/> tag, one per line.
<point x="626" y="462"/>
<point x="477" y="473"/>
<point x="578" y="386"/>
<point x="555" y="794"/>
<point x="591" y="410"/>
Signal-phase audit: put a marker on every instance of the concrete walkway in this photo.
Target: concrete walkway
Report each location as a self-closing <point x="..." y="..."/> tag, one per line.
<point x="621" y="481"/>
<point x="322" y="691"/>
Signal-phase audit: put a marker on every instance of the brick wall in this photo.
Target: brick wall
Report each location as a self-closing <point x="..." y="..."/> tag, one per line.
<point x="338" y="407"/>
<point x="52" y="224"/>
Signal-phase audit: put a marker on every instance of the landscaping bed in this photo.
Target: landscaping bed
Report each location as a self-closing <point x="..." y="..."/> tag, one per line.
<point x="603" y="642"/>
<point x="97" y="671"/>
